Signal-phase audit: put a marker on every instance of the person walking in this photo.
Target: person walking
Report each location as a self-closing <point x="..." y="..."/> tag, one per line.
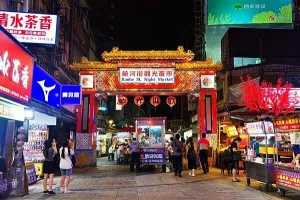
<point x="48" y="167"/>
<point x="177" y="146"/>
<point x="191" y="156"/>
<point x="65" y="166"/>
<point x="235" y="157"/>
<point x="203" y="147"/>
<point x="135" y="155"/>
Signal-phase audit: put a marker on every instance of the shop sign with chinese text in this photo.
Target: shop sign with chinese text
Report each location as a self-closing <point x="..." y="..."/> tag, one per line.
<point x="45" y="88"/>
<point x="70" y="95"/>
<point x="153" y="156"/>
<point x="11" y="111"/>
<point x="254" y="128"/>
<point x="31" y="27"/>
<point x="146" y="75"/>
<point x="288" y="178"/>
<point x="16" y="68"/>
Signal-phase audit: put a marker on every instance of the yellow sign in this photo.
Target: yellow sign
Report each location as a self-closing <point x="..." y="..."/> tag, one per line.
<point x="11" y="111"/>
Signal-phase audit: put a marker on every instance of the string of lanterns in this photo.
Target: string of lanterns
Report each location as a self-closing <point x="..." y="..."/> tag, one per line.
<point x="154" y="100"/>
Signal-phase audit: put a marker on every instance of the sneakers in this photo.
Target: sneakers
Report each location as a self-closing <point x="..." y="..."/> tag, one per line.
<point x="46" y="192"/>
<point x="61" y="190"/>
<point x="51" y="193"/>
<point x="190" y="174"/>
<point x="67" y="191"/>
<point x="193" y="175"/>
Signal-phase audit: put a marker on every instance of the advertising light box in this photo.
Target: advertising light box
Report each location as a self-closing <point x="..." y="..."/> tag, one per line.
<point x="221" y="12"/>
<point x="31" y="27"/>
<point x="16" y="68"/>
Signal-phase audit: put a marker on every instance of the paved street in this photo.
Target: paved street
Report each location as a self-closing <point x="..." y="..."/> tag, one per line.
<point x="112" y="182"/>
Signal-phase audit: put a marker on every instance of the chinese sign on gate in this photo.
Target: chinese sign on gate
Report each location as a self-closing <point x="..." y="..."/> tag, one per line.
<point x="16" y="68"/>
<point x="146" y="75"/>
<point x="139" y="100"/>
<point x="30" y="27"/>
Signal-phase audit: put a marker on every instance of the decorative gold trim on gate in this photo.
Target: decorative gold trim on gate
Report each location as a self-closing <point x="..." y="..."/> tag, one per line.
<point x="86" y="65"/>
<point x="117" y="54"/>
<point x="198" y="65"/>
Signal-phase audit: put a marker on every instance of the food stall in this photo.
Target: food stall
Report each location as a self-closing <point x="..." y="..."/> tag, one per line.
<point x="151" y="137"/>
<point x="261" y="168"/>
<point x="287" y="169"/>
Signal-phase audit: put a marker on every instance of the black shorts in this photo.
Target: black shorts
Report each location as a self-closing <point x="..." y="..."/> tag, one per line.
<point x="235" y="164"/>
<point x="48" y="167"/>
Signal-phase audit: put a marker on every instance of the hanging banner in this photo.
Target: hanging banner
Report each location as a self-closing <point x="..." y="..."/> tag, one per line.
<point x="122" y="100"/>
<point x="139" y="100"/>
<point x="171" y="101"/>
<point x="155" y="101"/>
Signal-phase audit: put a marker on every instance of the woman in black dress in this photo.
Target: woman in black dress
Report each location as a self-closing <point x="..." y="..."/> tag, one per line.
<point x="48" y="168"/>
<point x="191" y="156"/>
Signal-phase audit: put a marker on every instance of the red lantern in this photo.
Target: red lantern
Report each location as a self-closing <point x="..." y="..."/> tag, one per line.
<point x="171" y="101"/>
<point x="139" y="100"/>
<point x="155" y="101"/>
<point x="122" y="101"/>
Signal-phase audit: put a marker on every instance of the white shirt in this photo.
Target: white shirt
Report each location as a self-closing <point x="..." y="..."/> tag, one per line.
<point x="66" y="163"/>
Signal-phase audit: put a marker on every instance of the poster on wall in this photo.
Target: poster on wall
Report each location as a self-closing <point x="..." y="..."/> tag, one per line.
<point x="222" y="12"/>
<point x="31" y="27"/>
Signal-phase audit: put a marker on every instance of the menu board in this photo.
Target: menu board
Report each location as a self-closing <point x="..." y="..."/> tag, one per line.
<point x="151" y="136"/>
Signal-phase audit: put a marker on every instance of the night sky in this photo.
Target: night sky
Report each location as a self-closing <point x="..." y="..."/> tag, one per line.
<point x="144" y="24"/>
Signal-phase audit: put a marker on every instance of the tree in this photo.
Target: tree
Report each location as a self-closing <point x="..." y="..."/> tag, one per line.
<point x="266" y="98"/>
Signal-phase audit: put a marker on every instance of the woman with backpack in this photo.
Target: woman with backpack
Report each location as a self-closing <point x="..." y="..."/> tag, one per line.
<point x="191" y="156"/>
<point x="65" y="165"/>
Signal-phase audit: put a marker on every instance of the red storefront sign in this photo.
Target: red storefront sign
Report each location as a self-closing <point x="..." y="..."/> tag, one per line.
<point x="287" y="125"/>
<point x="16" y="68"/>
<point x="288" y="178"/>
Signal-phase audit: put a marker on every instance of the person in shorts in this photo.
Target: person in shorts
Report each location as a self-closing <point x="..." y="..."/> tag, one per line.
<point x="48" y="167"/>
<point x="235" y="160"/>
<point x="65" y="166"/>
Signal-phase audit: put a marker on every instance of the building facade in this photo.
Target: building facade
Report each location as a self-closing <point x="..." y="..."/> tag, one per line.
<point x="75" y="36"/>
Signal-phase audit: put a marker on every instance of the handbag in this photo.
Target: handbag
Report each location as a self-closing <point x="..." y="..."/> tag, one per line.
<point x="237" y="156"/>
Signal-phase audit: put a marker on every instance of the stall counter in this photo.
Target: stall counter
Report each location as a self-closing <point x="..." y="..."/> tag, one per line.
<point x="287" y="179"/>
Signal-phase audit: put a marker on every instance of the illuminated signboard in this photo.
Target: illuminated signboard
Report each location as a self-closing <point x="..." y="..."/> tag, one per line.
<point x="153" y="156"/>
<point x="16" y="68"/>
<point x="45" y="88"/>
<point x="146" y="75"/>
<point x="31" y="27"/>
<point x="287" y="178"/>
<point x="222" y="12"/>
<point x="11" y="111"/>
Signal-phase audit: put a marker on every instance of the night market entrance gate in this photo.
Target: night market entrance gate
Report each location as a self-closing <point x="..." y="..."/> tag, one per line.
<point x="138" y="73"/>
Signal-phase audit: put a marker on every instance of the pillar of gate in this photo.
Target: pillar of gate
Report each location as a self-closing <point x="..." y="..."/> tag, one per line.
<point x="86" y="130"/>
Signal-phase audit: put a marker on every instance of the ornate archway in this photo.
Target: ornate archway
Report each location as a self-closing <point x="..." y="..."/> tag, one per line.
<point x="149" y="72"/>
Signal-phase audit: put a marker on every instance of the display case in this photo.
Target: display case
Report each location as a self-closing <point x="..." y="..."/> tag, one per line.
<point x="151" y="137"/>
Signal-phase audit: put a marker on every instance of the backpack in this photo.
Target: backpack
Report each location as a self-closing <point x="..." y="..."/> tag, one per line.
<point x="191" y="153"/>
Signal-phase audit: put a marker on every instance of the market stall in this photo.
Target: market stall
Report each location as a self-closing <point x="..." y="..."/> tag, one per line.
<point x="261" y="167"/>
<point x="151" y="137"/>
<point x="287" y="169"/>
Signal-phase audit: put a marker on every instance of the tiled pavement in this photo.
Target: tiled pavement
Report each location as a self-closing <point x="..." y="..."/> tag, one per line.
<point x="116" y="183"/>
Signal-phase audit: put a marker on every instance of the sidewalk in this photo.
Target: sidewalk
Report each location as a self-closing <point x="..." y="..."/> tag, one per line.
<point x="115" y="182"/>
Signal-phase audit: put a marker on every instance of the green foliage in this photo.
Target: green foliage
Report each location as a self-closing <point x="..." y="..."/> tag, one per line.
<point x="264" y="17"/>
<point x="284" y="16"/>
<point x="212" y="20"/>
<point x="222" y="19"/>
